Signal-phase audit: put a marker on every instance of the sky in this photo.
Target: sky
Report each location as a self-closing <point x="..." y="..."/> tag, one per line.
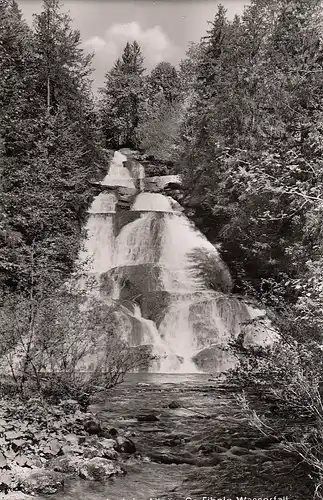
<point x="162" y="28"/>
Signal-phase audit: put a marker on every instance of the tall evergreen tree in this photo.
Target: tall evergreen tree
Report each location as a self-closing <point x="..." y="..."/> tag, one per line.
<point x="163" y="84"/>
<point x="19" y="106"/>
<point x="122" y="98"/>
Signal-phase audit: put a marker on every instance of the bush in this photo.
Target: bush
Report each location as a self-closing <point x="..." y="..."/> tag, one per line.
<point x="62" y="343"/>
<point x="287" y="378"/>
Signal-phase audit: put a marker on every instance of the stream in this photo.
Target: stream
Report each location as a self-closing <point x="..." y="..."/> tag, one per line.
<point x="208" y="436"/>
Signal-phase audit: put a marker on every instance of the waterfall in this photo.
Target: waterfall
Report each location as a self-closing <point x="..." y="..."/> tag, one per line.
<point x="179" y="239"/>
<point x="150" y="261"/>
<point x="99" y="244"/>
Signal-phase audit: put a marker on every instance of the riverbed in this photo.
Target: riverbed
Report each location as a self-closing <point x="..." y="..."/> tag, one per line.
<point x="200" y="446"/>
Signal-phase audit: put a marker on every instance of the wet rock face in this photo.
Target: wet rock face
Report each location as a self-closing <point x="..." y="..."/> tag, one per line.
<point x="142" y="282"/>
<point x="122" y="218"/>
<point x="126" y="197"/>
<point x="159" y="184"/>
<point x="215" y="359"/>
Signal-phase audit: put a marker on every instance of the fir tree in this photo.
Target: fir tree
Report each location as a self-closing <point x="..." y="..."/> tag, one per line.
<point x="122" y="98"/>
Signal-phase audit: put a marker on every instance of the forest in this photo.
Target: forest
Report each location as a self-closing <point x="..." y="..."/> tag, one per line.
<point x="240" y="118"/>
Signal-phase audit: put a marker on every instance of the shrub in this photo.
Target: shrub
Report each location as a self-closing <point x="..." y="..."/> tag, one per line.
<point x="288" y="379"/>
<point x="62" y="343"/>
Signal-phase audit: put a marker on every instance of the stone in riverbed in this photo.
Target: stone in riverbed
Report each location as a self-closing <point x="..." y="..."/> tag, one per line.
<point x="66" y="465"/>
<point x="239" y="451"/>
<point x="43" y="481"/>
<point x="267" y="441"/>
<point x="18" y="495"/>
<point x="173" y="405"/>
<point x="99" y="469"/>
<point x="104" y="448"/>
<point x="92" y="427"/>
<point x="147" y="418"/>
<point x="90" y="452"/>
<point x="125" y="445"/>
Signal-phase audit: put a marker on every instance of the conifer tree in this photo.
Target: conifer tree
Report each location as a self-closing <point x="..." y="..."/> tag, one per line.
<point x="122" y="98"/>
<point x="163" y="84"/>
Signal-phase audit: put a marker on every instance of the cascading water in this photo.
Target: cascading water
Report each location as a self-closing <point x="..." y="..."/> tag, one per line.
<point x="152" y="202"/>
<point x="118" y="175"/>
<point x="179" y="240"/>
<point x="151" y="260"/>
<point x="137" y="242"/>
<point x="104" y="203"/>
<point x="99" y="245"/>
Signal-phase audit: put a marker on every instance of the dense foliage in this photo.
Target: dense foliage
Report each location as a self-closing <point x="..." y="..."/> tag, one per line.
<point x="251" y="139"/>
<point x="49" y="146"/>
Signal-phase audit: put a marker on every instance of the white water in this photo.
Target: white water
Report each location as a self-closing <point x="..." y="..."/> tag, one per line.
<point x="166" y="353"/>
<point x="179" y="239"/>
<point x="99" y="246"/>
<point x="118" y="175"/>
<point x="104" y="203"/>
<point x="134" y="244"/>
<point x="152" y="202"/>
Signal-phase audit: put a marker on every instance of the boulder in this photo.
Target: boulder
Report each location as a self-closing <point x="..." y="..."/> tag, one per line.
<point x="125" y="445"/>
<point x="92" y="427"/>
<point x="105" y="448"/>
<point x="215" y="358"/>
<point x="173" y="405"/>
<point x="69" y="405"/>
<point x="18" y="495"/>
<point x="43" y="481"/>
<point x="267" y="441"/>
<point x="98" y="469"/>
<point x="66" y="465"/>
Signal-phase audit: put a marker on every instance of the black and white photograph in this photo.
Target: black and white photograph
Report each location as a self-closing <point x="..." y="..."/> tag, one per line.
<point x="161" y="250"/>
